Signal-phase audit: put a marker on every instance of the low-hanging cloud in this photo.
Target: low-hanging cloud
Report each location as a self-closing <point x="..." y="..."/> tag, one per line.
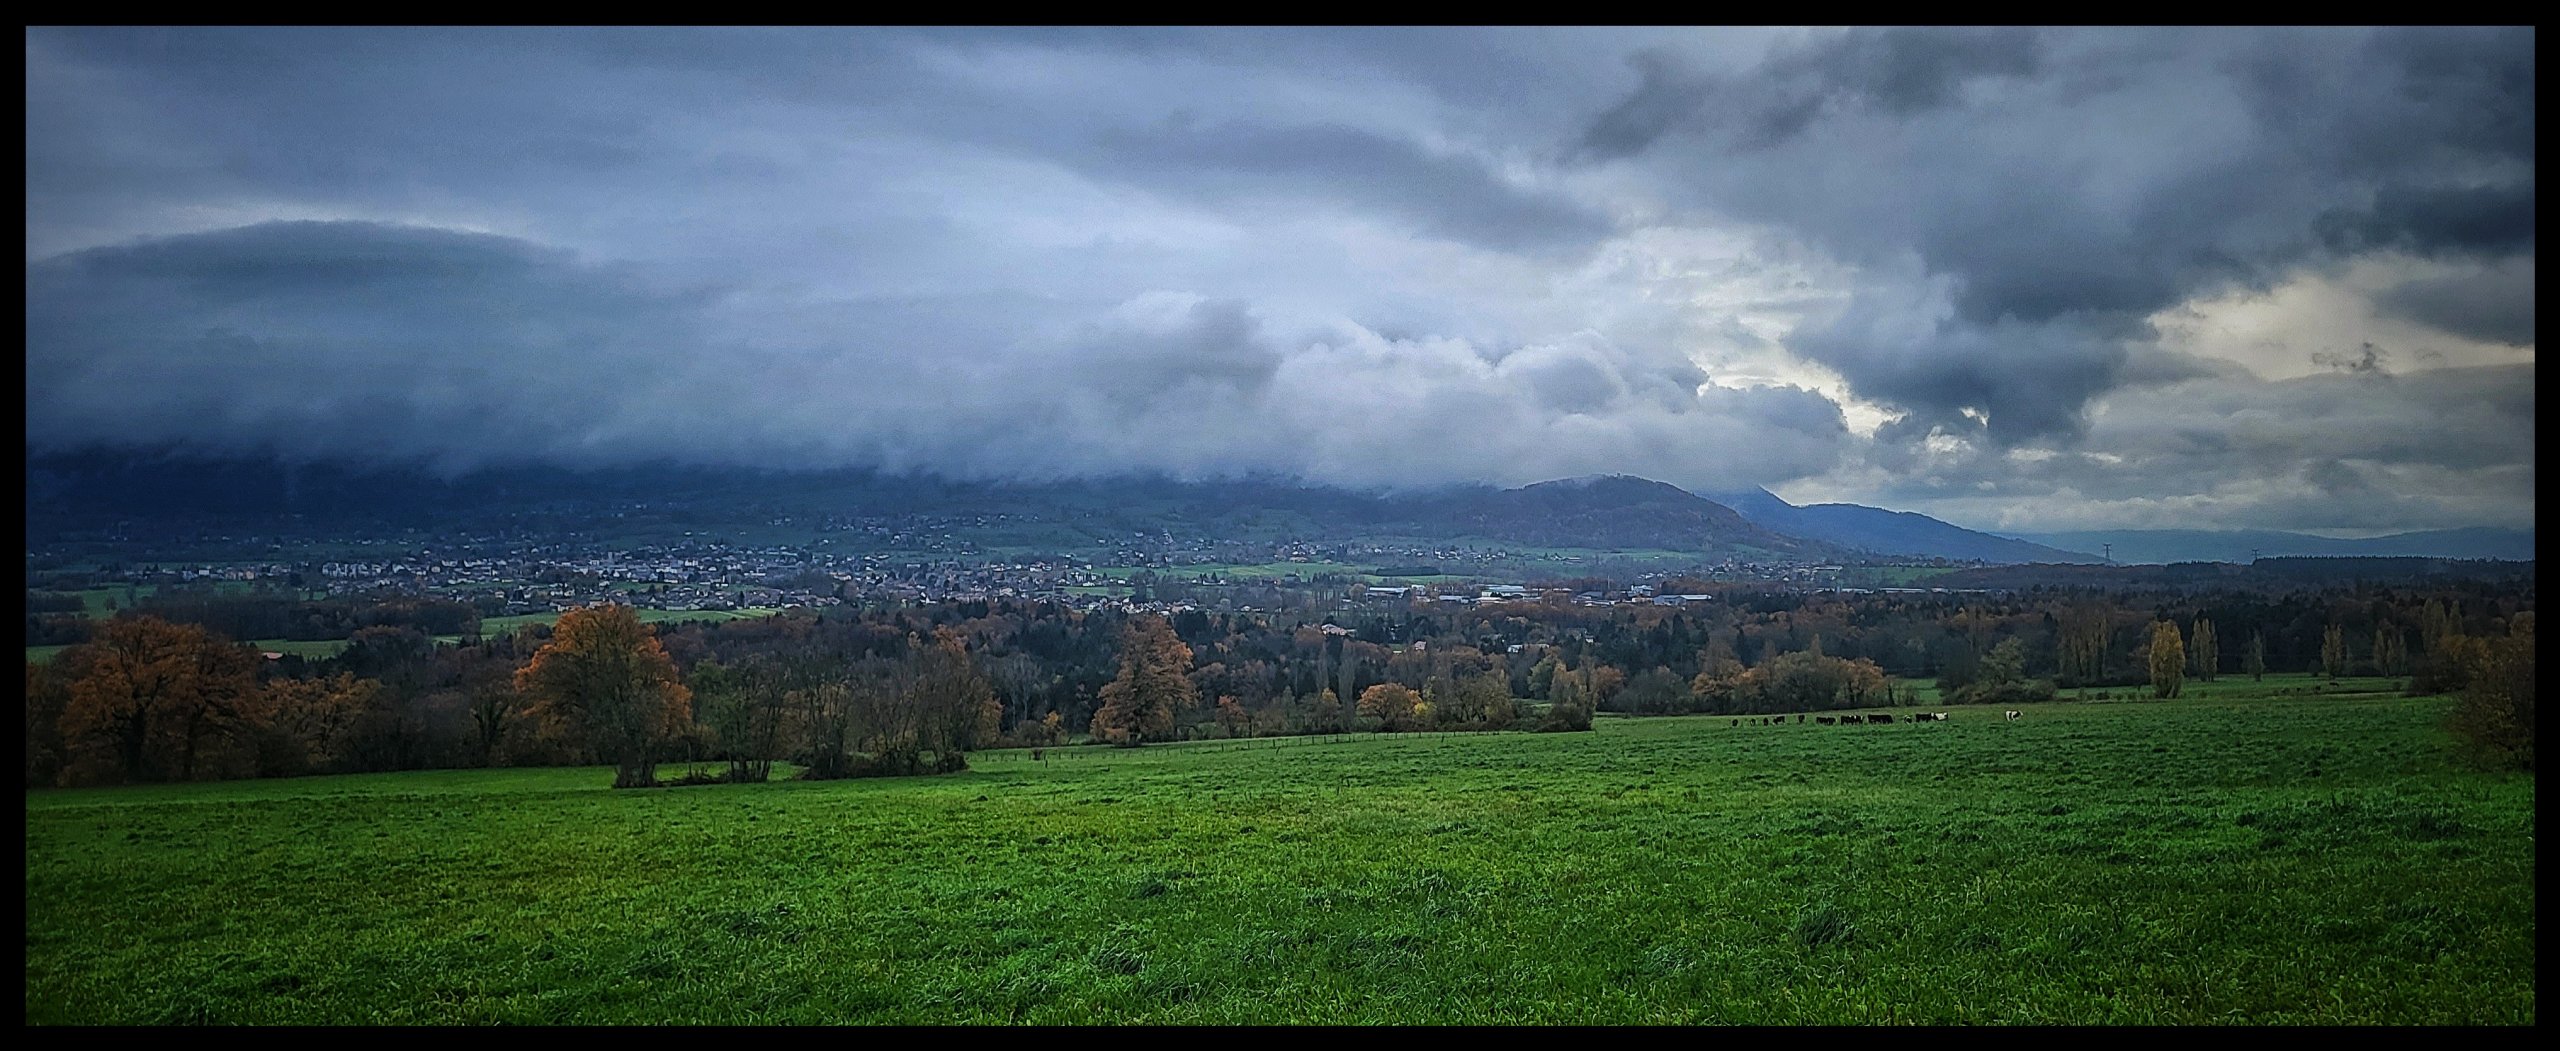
<point x="2494" y="305"/>
<point x="356" y="340"/>
<point x="1888" y="264"/>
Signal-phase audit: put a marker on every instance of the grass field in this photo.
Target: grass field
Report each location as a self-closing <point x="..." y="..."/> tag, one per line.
<point x="2228" y="686"/>
<point x="495" y="626"/>
<point x="1891" y="576"/>
<point x="2240" y="858"/>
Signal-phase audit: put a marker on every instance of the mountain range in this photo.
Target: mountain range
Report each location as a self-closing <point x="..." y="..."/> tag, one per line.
<point x="86" y="491"/>
<point x="1874" y="529"/>
<point x="2164" y="546"/>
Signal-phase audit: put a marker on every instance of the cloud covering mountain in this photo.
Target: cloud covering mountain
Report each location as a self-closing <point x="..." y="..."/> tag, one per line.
<point x="2014" y="278"/>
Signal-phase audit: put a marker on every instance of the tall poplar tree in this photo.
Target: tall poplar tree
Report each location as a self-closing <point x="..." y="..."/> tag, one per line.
<point x="2168" y="659"/>
<point x="2205" y="654"/>
<point x="2333" y="652"/>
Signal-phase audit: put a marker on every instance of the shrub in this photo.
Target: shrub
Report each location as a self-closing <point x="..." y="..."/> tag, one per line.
<point x="2495" y="714"/>
<point x="2027" y="691"/>
<point x="1564" y="717"/>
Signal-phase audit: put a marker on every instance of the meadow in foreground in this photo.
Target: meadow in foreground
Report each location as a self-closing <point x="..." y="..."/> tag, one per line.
<point x="2238" y="858"/>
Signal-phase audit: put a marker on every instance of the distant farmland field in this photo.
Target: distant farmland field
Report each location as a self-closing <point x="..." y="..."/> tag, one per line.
<point x="2237" y="858"/>
<point x="488" y="626"/>
<point x="491" y="626"/>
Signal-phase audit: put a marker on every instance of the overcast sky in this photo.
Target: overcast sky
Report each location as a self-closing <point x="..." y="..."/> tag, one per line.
<point x="2021" y="279"/>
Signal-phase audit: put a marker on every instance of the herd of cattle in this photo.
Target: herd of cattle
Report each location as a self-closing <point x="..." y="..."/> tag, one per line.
<point x="1857" y="720"/>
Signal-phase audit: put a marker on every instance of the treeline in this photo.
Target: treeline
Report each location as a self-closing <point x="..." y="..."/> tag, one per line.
<point x="149" y="700"/>
<point x="268" y="616"/>
<point x="53" y="621"/>
<point x="910" y="689"/>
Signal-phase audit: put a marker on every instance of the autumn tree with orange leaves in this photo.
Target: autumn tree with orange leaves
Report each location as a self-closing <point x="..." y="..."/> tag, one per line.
<point x="604" y="680"/>
<point x="1154" y="683"/>
<point x="1391" y="704"/>
<point x="144" y="698"/>
<point x="45" y="702"/>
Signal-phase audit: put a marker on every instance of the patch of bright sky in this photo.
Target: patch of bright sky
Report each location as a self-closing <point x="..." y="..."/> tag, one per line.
<point x="1740" y="293"/>
<point x="2285" y="332"/>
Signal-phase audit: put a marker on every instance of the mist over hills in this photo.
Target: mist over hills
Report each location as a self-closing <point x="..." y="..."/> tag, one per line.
<point x="1884" y="532"/>
<point x="1615" y="512"/>
<point x="89" y="490"/>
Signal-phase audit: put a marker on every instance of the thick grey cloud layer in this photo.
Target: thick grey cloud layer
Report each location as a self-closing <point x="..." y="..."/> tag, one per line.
<point x="2492" y="306"/>
<point x="311" y="339"/>
<point x="2401" y="451"/>
<point x="1377" y="257"/>
<point x="2026" y="200"/>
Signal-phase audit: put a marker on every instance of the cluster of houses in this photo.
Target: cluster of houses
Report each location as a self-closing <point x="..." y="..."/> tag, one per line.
<point x="1489" y="593"/>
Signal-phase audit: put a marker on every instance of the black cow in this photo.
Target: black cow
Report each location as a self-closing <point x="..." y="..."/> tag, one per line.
<point x="1881" y="717"/>
<point x="1822" y="719"/>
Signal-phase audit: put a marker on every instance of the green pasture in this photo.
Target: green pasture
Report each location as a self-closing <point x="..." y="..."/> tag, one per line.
<point x="2233" y="858"/>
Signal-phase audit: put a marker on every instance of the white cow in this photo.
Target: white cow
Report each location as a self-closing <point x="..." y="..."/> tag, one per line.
<point x="2013" y="716"/>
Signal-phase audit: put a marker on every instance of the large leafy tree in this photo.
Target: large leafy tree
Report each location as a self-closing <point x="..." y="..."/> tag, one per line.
<point x="314" y="720"/>
<point x="143" y="687"/>
<point x="1154" y="683"/>
<point x="604" y="680"/>
<point x="2080" y="645"/>
<point x="2495" y="711"/>
<point x="747" y="707"/>
<point x="1392" y="704"/>
<point x="972" y="712"/>
<point x="45" y="702"/>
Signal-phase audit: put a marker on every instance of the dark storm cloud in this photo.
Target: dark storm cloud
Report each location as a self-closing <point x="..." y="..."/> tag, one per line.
<point x="2052" y="188"/>
<point x="1667" y="96"/>
<point x="1377" y="257"/>
<point x="319" y="340"/>
<point x="1323" y="165"/>
<point x="2493" y="305"/>
<point x="1896" y="71"/>
<point x="2491" y="221"/>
